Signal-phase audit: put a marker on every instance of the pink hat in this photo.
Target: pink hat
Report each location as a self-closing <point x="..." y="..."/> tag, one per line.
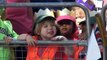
<point x="65" y="17"/>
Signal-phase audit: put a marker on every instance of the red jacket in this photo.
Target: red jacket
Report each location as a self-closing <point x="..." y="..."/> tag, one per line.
<point x="21" y="17"/>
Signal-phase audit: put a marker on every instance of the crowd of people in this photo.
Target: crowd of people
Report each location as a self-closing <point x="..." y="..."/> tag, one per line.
<point x="47" y="25"/>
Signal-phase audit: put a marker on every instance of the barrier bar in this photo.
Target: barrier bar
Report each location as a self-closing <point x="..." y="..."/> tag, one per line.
<point x="69" y="42"/>
<point x="103" y="15"/>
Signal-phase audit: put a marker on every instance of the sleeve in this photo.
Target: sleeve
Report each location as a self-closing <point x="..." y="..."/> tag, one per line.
<point x="2" y="30"/>
<point x="10" y="30"/>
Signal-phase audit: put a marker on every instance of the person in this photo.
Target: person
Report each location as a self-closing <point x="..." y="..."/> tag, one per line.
<point x="45" y="29"/>
<point x="79" y="15"/>
<point x="82" y="26"/>
<point x="68" y="28"/>
<point x="7" y="33"/>
<point x="22" y="20"/>
<point x="80" y="22"/>
<point x="20" y="17"/>
<point x="6" y="30"/>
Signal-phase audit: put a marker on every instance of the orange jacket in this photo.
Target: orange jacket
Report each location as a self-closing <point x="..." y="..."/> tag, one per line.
<point x="77" y="53"/>
<point x="77" y="49"/>
<point x="48" y="53"/>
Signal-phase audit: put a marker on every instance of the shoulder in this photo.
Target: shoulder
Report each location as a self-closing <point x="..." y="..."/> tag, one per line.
<point x="75" y="35"/>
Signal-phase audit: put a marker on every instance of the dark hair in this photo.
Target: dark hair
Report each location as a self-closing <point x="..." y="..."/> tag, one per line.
<point x="82" y="23"/>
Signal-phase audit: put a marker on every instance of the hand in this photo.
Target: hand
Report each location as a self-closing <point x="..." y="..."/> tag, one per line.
<point x="59" y="38"/>
<point x="22" y="36"/>
<point x="69" y="50"/>
<point x="27" y="38"/>
<point x="82" y="36"/>
<point x="30" y="41"/>
<point x="7" y="39"/>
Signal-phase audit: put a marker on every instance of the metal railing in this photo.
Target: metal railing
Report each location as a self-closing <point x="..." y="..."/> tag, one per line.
<point x="69" y="42"/>
<point x="104" y="20"/>
<point x="64" y="4"/>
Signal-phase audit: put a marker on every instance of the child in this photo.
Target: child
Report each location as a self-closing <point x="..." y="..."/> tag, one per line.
<point x="7" y="33"/>
<point x="45" y="29"/>
<point x="68" y="29"/>
<point x="83" y="34"/>
<point x="6" y="29"/>
<point x="67" y="26"/>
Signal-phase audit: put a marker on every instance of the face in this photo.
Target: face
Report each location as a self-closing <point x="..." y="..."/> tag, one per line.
<point x="65" y="26"/>
<point x="79" y="13"/>
<point x="82" y="27"/>
<point x="78" y="20"/>
<point x="48" y="30"/>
